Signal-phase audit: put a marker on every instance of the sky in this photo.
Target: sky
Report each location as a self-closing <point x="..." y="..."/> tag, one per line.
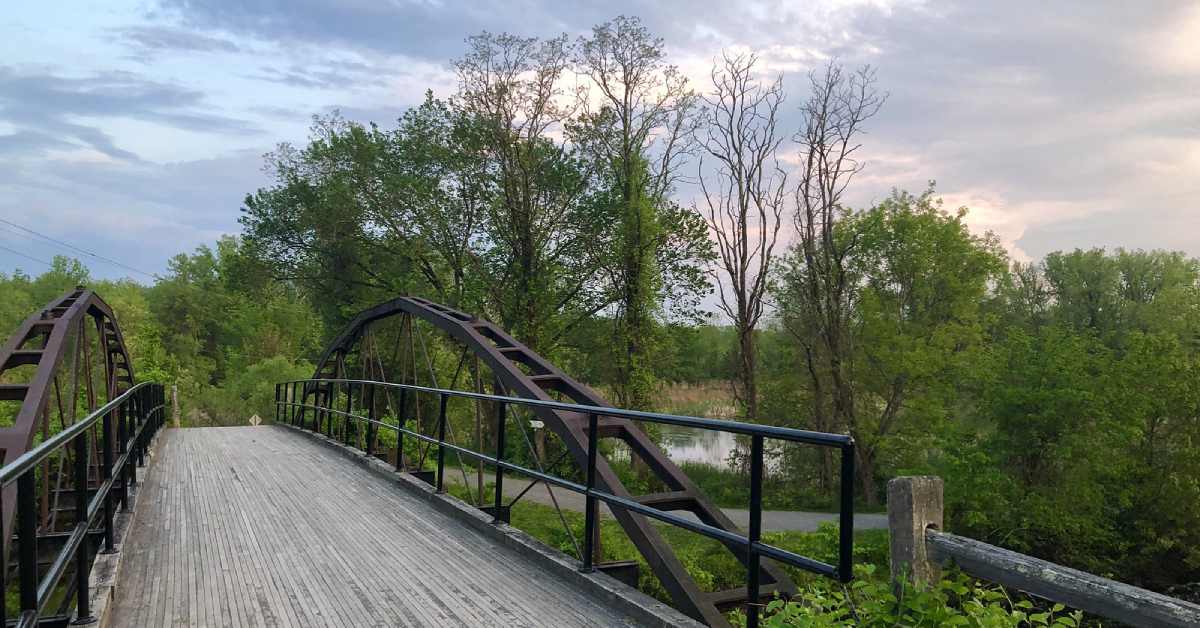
<point x="134" y="129"/>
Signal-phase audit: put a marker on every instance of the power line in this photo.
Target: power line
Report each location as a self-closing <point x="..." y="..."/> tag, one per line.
<point x="77" y="249"/>
<point x="28" y="257"/>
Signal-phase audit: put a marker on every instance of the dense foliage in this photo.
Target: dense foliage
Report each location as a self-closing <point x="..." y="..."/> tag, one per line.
<point x="215" y="327"/>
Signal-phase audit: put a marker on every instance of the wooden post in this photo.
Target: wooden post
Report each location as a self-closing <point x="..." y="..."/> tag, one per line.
<point x="175" y="404"/>
<point x="914" y="504"/>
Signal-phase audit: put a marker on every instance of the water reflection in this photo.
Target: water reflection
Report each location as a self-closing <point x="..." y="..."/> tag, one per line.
<point x="700" y="446"/>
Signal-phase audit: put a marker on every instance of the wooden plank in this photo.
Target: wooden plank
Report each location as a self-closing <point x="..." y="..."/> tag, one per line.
<point x="261" y="526"/>
<point x="1074" y="588"/>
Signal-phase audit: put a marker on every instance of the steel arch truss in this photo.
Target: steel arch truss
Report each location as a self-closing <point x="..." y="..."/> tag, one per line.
<point x="521" y="372"/>
<point x="55" y="344"/>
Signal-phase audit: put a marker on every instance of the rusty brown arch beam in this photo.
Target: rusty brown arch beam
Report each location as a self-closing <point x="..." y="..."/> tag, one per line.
<point x="502" y="353"/>
<point x="48" y="331"/>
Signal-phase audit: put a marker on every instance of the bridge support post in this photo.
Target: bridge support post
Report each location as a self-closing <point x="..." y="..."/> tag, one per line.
<point x="914" y="504"/>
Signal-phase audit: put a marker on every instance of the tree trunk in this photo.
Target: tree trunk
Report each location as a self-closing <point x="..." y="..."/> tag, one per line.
<point x="866" y="474"/>
<point x="747" y="374"/>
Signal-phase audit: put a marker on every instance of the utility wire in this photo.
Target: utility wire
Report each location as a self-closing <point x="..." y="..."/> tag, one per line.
<point x="28" y="257"/>
<point x="77" y="249"/>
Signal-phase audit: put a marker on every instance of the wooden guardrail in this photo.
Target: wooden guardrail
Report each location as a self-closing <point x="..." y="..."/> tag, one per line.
<point x="920" y="546"/>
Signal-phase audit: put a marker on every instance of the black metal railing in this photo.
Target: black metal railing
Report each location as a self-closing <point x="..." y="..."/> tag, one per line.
<point x="127" y="425"/>
<point x="288" y="410"/>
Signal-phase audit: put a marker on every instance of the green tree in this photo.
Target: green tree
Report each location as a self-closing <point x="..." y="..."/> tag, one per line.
<point x="638" y="135"/>
<point x="920" y="279"/>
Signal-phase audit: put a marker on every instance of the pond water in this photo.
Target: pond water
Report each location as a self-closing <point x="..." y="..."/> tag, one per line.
<point x="695" y="445"/>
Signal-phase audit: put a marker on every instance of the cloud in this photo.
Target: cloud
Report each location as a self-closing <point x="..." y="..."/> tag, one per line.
<point x="435" y="30"/>
<point x="148" y="42"/>
<point x="1058" y="124"/>
<point x="1056" y="130"/>
<point x="324" y="74"/>
<point x="46" y="109"/>
<point x="414" y="28"/>
<point x="136" y="212"/>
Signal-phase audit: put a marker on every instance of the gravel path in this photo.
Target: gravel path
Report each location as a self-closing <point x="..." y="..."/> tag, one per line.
<point x="773" y="520"/>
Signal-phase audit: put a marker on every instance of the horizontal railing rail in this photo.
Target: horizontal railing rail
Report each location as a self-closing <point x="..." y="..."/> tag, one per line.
<point x="286" y="394"/>
<point x="127" y="425"/>
<point x="1077" y="589"/>
<point x="920" y="547"/>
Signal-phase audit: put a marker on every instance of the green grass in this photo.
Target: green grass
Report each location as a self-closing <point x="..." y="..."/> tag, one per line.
<point x="819" y="601"/>
<point x="713" y="567"/>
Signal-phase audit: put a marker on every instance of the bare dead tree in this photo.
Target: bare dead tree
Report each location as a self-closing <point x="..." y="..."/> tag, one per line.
<point x="744" y="194"/>
<point x="823" y="283"/>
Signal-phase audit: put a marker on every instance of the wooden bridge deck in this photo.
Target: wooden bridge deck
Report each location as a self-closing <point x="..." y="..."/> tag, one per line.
<point x="261" y="526"/>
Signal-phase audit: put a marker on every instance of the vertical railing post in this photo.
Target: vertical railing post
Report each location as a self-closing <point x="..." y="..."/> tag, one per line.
<point x="752" y="558"/>
<point x="139" y="439"/>
<point x="400" y="427"/>
<point x="27" y="567"/>
<point x="129" y="450"/>
<point x="303" y="412"/>
<point x="277" y="403"/>
<point x="82" y="594"/>
<point x="370" y="400"/>
<point x="328" y="405"/>
<point x="592" y="508"/>
<point x="122" y="427"/>
<point x="846" y="517"/>
<point x="106" y="467"/>
<point x="441" y="460"/>
<point x="346" y="417"/>
<point x="318" y="393"/>
<point x="4" y="560"/>
<point x="500" y="427"/>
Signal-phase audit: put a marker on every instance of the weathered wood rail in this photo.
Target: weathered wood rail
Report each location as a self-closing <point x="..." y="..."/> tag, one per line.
<point x="919" y="548"/>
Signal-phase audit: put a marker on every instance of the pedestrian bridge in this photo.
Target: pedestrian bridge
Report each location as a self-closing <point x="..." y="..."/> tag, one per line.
<point x="336" y="512"/>
<point x="266" y="526"/>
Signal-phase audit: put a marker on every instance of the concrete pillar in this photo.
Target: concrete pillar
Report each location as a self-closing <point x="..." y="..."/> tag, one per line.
<point x="914" y="504"/>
